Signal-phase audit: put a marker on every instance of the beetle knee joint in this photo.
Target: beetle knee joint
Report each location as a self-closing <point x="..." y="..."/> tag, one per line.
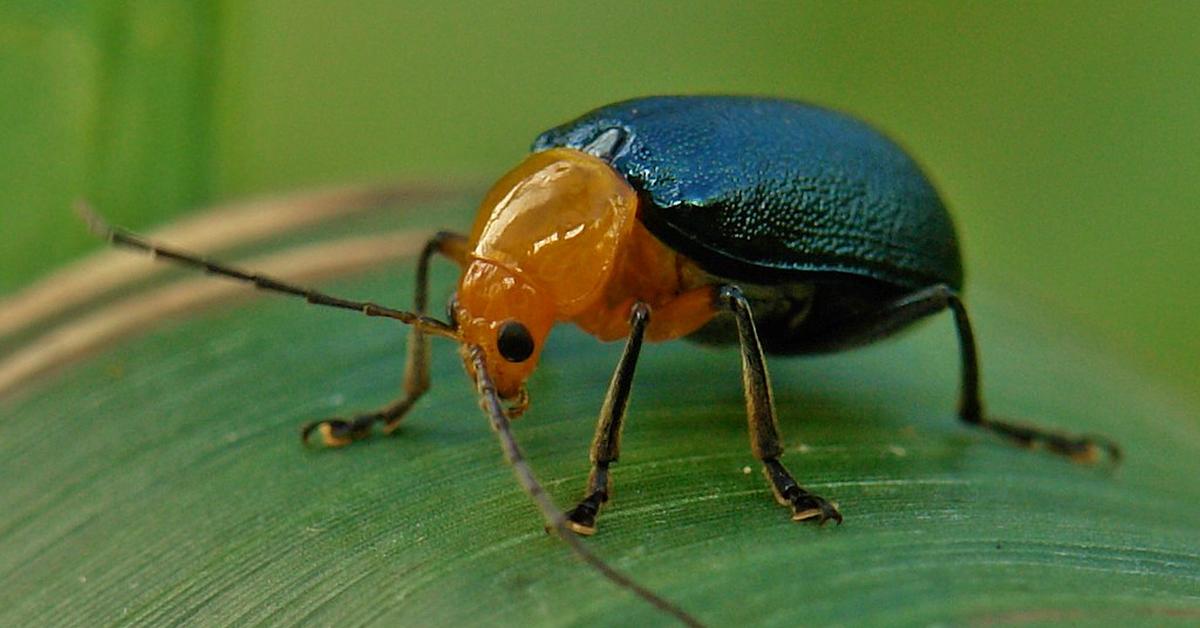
<point x="639" y="313"/>
<point x="731" y="296"/>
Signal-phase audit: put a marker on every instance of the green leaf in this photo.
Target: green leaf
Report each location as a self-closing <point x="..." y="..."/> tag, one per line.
<point x="162" y="481"/>
<point x="110" y="100"/>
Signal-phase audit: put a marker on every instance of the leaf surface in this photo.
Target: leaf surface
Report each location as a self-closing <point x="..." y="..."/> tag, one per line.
<point x="162" y="481"/>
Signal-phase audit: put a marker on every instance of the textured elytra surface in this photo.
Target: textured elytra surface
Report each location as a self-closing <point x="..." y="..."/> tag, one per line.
<point x="753" y="188"/>
<point x="162" y="481"/>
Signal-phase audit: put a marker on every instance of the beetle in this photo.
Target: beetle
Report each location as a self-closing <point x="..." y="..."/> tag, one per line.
<point x="775" y="225"/>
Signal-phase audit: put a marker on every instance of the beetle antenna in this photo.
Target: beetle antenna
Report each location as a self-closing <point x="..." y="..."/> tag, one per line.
<point x="555" y="519"/>
<point x="121" y="237"/>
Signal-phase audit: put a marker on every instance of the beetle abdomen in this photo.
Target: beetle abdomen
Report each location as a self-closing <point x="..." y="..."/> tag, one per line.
<point x="807" y="318"/>
<point x="775" y="191"/>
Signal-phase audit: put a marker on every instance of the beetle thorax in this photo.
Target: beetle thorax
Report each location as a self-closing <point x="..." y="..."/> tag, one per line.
<point x="557" y="221"/>
<point x="543" y="247"/>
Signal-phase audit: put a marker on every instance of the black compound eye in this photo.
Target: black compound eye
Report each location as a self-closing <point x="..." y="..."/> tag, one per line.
<point x="514" y="342"/>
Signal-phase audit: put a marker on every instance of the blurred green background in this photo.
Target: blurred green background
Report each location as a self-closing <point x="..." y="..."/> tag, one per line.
<point x="1063" y="135"/>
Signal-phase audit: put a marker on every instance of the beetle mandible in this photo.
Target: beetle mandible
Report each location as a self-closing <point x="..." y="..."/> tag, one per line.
<point x="774" y="225"/>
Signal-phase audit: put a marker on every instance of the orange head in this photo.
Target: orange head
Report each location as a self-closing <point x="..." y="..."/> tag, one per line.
<point x="508" y="318"/>
<point x="543" y="246"/>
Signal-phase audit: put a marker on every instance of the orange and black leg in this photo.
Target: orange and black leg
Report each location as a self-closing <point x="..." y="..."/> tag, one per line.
<point x="932" y="300"/>
<point x="336" y="432"/>
<point x="970" y="408"/>
<point x="606" y="445"/>
<point x="760" y="408"/>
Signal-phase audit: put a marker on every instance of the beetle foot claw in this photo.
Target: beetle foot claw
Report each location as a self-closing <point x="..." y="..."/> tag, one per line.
<point x="582" y="529"/>
<point x="582" y="518"/>
<point x="1085" y="449"/>
<point x="809" y="507"/>
<point x="339" y="432"/>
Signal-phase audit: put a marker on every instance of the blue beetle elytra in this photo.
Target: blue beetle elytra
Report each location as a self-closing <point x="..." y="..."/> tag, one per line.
<point x="774" y="225"/>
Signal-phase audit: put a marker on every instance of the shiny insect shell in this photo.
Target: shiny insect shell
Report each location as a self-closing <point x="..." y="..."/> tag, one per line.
<point x="779" y="226"/>
<point x="774" y="225"/>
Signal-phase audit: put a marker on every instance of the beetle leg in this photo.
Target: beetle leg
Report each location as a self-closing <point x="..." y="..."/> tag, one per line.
<point x="416" y="366"/>
<point x="606" y="445"/>
<point x="336" y="432"/>
<point x="970" y="408"/>
<point x="934" y="299"/>
<point x="764" y="429"/>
